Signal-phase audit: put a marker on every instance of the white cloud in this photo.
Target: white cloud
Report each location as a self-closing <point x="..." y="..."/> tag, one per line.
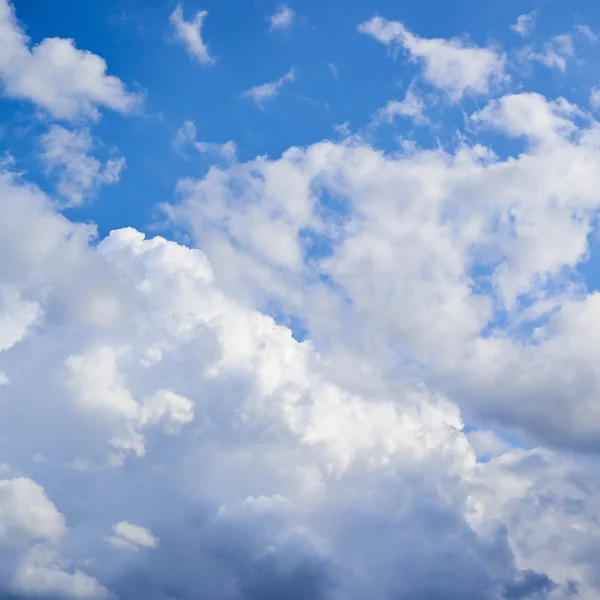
<point x="132" y="537"/>
<point x="56" y="76"/>
<point x="525" y="24"/>
<point x="186" y="137"/>
<point x="67" y="153"/>
<point x="412" y="107"/>
<point x="189" y="33"/>
<point x="266" y="91"/>
<point x="283" y="18"/>
<point x="334" y="70"/>
<point x="554" y="54"/>
<point x="299" y="471"/>
<point x="42" y="574"/>
<point x="26" y="514"/>
<point x="451" y="65"/>
<point x="588" y="32"/>
<point x="595" y="98"/>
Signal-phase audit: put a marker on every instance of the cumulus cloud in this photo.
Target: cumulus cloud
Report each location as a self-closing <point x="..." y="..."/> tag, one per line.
<point x="163" y="433"/>
<point x="450" y="65"/>
<point x="189" y="33"/>
<point x="67" y="153"/>
<point x="260" y="94"/>
<point x="56" y="76"/>
<point x="282" y="18"/>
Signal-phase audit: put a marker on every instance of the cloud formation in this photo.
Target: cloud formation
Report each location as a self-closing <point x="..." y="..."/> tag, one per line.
<point x="189" y="33"/>
<point x="260" y="94"/>
<point x="450" y="65"/>
<point x="56" y="76"/>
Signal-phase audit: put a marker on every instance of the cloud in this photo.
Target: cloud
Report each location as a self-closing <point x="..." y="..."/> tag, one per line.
<point x="272" y="236"/>
<point x="525" y="24"/>
<point x="189" y="33"/>
<point x="334" y="71"/>
<point x="412" y="107"/>
<point x="283" y="18"/>
<point x="67" y="153"/>
<point x="260" y="94"/>
<point x="186" y="137"/>
<point x="554" y="54"/>
<point x="451" y="65"/>
<point x="132" y="536"/>
<point x="56" y="76"/>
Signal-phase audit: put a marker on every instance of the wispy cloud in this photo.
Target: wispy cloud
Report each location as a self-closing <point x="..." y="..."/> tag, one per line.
<point x="186" y="138"/>
<point x="266" y="91"/>
<point x="525" y="24"/>
<point x="283" y="18"/>
<point x="189" y="33"/>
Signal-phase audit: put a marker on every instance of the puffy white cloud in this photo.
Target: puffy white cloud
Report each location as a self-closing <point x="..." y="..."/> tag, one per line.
<point x="429" y="253"/>
<point x="189" y="33"/>
<point x="451" y="65"/>
<point x="26" y="513"/>
<point x="266" y="91"/>
<point x="55" y="75"/>
<point x="67" y="153"/>
<point x="42" y="574"/>
<point x="277" y="467"/>
<point x="282" y="18"/>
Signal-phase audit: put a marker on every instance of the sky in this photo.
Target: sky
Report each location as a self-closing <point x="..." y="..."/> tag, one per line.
<point x="299" y="300"/>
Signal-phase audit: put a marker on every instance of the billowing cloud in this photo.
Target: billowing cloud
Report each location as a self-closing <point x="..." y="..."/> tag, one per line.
<point x="277" y="409"/>
<point x="55" y="75"/>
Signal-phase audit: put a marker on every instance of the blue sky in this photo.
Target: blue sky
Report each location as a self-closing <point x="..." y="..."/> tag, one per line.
<point x="299" y="300"/>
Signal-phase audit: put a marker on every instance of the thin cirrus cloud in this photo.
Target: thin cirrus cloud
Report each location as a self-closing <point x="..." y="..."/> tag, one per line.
<point x="263" y="93"/>
<point x="189" y="33"/>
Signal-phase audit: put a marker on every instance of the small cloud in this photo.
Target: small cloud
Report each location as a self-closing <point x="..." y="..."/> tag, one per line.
<point x="186" y="137"/>
<point x="80" y="175"/>
<point x="282" y="19"/>
<point x="412" y="107"/>
<point x="189" y="33"/>
<point x="554" y="54"/>
<point x="262" y="93"/>
<point x="334" y="71"/>
<point x="450" y="65"/>
<point x="343" y="129"/>
<point x="525" y="24"/>
<point x="132" y="537"/>
<point x="586" y="30"/>
<point x="595" y="98"/>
